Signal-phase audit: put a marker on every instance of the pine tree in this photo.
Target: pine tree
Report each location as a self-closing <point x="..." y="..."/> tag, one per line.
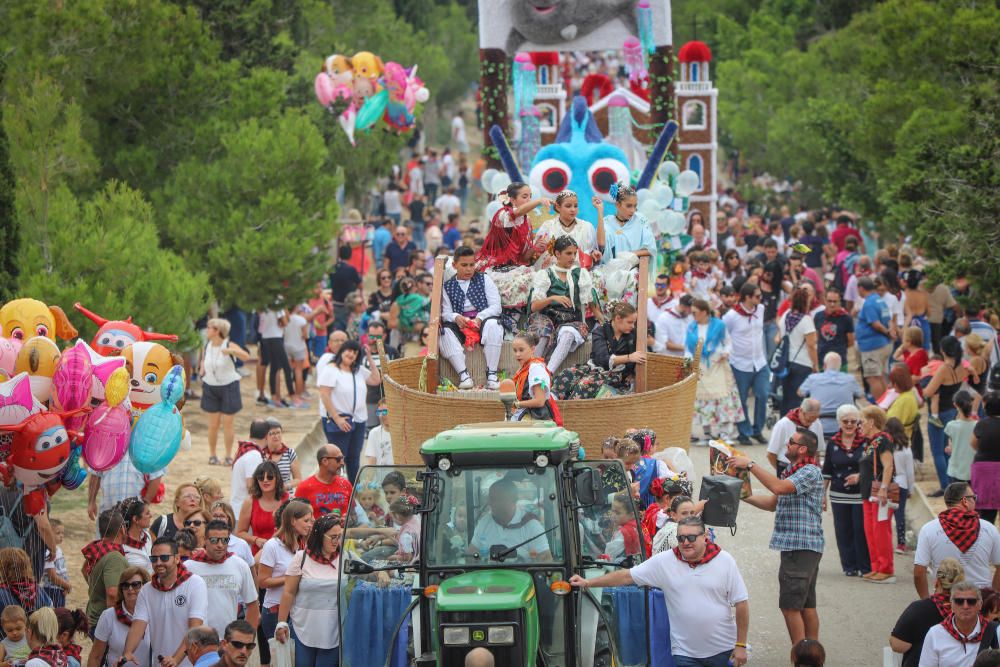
<point x="10" y="237"/>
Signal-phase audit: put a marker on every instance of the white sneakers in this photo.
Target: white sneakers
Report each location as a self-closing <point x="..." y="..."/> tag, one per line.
<point x="466" y="381"/>
<point x="491" y="382"/>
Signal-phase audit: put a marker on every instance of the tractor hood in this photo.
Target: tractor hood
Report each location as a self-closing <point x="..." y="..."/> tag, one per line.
<point x="485" y="590"/>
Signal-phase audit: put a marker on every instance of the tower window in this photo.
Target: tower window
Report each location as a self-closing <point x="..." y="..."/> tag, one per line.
<point x="694" y="71"/>
<point x="694" y="115"/>
<point x="543" y="75"/>
<point x="694" y="164"/>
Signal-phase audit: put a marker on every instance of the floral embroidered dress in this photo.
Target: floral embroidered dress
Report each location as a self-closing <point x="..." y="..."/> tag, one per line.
<point x="575" y="284"/>
<point x="717" y="400"/>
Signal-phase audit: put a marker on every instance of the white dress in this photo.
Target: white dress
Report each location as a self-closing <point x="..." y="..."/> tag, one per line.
<point x="582" y="232"/>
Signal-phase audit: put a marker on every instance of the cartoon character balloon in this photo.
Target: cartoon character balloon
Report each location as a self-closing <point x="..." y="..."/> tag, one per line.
<point x="38" y="358"/>
<point x="9" y="348"/>
<point x="157" y="433"/>
<point x="113" y="336"/>
<point x="405" y="89"/>
<point x="106" y="439"/>
<point x="39" y="452"/>
<point x="72" y="383"/>
<point x="148" y="365"/>
<point x="102" y="368"/>
<point x="22" y="319"/>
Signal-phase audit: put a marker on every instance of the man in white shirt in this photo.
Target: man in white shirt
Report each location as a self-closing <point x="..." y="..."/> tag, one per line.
<point x="662" y="300"/>
<point x="448" y="203"/>
<point x="696" y="575"/>
<point x="248" y="457"/>
<point x="671" y="327"/>
<point x="955" y="641"/>
<point x="745" y="324"/>
<point x="378" y="447"/>
<point x="458" y="133"/>
<point x="958" y="533"/>
<point x="228" y="580"/>
<point x="508" y="525"/>
<point x="168" y="606"/>
<point x="471" y="297"/>
<point x="804" y="416"/>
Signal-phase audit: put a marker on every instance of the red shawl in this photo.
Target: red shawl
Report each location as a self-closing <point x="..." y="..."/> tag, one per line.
<point x="711" y="551"/>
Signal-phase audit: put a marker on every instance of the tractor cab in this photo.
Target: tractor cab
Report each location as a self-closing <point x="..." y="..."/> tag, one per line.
<point x="503" y="515"/>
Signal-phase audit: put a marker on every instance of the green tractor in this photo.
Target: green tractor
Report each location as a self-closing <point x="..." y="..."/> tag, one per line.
<point x="507" y="513"/>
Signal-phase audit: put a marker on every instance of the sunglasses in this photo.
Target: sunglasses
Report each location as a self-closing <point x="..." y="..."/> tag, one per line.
<point x="662" y="285"/>
<point x="964" y="602"/>
<point x="131" y="585"/>
<point x="218" y="540"/>
<point x="266" y="477"/>
<point x="162" y="558"/>
<point x="197" y="523"/>
<point x="335" y="458"/>
<point x="681" y="539"/>
<point x="242" y="645"/>
<point x="381" y="413"/>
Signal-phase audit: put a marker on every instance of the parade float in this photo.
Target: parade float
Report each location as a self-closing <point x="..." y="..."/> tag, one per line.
<point x="538" y="132"/>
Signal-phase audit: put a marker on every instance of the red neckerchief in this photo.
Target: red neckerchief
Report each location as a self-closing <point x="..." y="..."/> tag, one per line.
<point x="281" y="452"/>
<point x="711" y="551"/>
<point x="320" y="558"/>
<point x="122" y="616"/>
<point x="961" y="527"/>
<point x="97" y="550"/>
<point x="659" y="302"/>
<point x="795" y="467"/>
<point x="695" y="273"/>
<point x="675" y="314"/>
<point x="182" y="576"/>
<point x="739" y="309"/>
<point x="137" y="544"/>
<point x="53" y="655"/>
<point x="25" y="592"/>
<point x="795" y="416"/>
<point x="949" y="625"/>
<point x="836" y="312"/>
<point x="73" y="651"/>
<point x="838" y="440"/>
<point x="201" y="556"/>
<point x="943" y="603"/>
<point x="244" y="446"/>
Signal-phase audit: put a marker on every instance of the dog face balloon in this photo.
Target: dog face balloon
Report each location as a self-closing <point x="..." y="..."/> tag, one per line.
<point x="22" y="319"/>
<point x="38" y="358"/>
<point x="148" y="365"/>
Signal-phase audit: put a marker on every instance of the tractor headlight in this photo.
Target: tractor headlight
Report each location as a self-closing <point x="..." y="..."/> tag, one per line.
<point x="501" y="634"/>
<point x="456" y="636"/>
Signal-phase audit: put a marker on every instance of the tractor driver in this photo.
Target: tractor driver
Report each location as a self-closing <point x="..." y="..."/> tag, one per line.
<point x="508" y="525"/>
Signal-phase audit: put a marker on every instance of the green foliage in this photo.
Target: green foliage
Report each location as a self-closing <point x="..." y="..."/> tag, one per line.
<point x="255" y="33"/>
<point x="257" y="217"/>
<point x="10" y="235"/>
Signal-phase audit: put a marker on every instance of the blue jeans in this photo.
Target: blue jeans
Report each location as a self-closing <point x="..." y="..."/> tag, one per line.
<point x="351" y="443"/>
<point x="938" y="443"/>
<point x="760" y="382"/>
<point x="307" y="656"/>
<point x="268" y="622"/>
<point x="770" y="331"/>
<point x="317" y="345"/>
<point x="719" y="660"/>
<point x="900" y="515"/>
<point x="849" y="527"/>
<point x="418" y="235"/>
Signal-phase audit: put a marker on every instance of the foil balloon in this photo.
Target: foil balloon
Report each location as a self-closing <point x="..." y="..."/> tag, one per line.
<point x="156" y="436"/>
<point x="22" y="319"/>
<point x="38" y="358"/>
<point x="323" y="86"/>
<point x="116" y="386"/>
<point x="148" y="364"/>
<point x="9" y="348"/>
<point x="72" y="383"/>
<point x="102" y="367"/>
<point x="39" y="452"/>
<point x="106" y="439"/>
<point x="371" y="110"/>
<point x="17" y="403"/>
<point x="113" y="336"/>
<point x="73" y="475"/>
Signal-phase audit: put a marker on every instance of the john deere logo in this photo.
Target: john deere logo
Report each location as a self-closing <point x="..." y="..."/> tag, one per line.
<point x="478" y="635"/>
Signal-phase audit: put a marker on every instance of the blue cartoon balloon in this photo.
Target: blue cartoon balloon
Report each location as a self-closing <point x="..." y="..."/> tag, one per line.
<point x="74" y="475"/>
<point x="156" y="436"/>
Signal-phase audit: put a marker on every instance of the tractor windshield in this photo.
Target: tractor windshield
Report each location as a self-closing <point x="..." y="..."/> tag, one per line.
<point x="490" y="516"/>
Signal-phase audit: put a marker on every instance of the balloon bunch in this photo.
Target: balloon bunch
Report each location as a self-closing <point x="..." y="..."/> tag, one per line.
<point x="362" y="89"/>
<point x="61" y="407"/>
<point x="666" y="200"/>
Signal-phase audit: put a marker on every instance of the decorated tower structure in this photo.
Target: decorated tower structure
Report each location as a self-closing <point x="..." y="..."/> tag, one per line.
<point x="698" y="140"/>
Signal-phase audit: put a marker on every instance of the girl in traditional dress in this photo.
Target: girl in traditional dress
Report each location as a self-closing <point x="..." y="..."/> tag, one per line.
<point x="613" y="358"/>
<point x="508" y="241"/>
<point x="626" y="230"/>
<point x="566" y="224"/>
<point x="560" y="295"/>
<point x="532" y="383"/>
<point x="717" y="400"/>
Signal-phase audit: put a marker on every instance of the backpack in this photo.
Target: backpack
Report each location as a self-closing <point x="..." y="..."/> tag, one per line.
<point x="9" y="537"/>
<point x="779" y="359"/>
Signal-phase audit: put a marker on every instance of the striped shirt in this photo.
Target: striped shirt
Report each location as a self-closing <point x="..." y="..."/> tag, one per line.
<point x="798" y="520"/>
<point x="285" y="464"/>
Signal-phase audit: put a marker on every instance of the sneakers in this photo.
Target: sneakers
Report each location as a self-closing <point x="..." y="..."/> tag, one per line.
<point x="465" y="381"/>
<point x="901" y="549"/>
<point x="262" y="400"/>
<point x="882" y="578"/>
<point x="492" y="383"/>
<point x="851" y="573"/>
<point x="936" y="421"/>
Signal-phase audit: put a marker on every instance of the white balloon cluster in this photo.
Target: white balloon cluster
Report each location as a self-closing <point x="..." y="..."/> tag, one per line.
<point x="494" y="181"/>
<point x="655" y="203"/>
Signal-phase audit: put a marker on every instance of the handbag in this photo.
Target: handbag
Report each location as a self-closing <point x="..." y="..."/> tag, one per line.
<point x="893" y="494"/>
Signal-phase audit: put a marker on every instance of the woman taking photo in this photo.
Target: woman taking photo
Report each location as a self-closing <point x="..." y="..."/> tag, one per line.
<point x="114" y="623"/>
<point x="922" y="615"/>
<point x="267" y="492"/>
<point x="944" y="384"/>
<point x="717" y="401"/>
<point x="187" y="499"/>
<point x="294" y="522"/>
<point x="877" y="465"/>
<point x="220" y="386"/>
<point x="343" y="391"/>
<point x="311" y="595"/>
<point x="613" y="358"/>
<point x="841" y="473"/>
<point x="800" y="328"/>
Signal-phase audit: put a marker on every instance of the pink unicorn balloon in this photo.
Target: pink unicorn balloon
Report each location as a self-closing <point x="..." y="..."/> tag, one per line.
<point x="72" y="384"/>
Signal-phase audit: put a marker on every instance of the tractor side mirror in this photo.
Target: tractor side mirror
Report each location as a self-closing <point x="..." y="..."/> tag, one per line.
<point x="357" y="567"/>
<point x="589" y="488"/>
